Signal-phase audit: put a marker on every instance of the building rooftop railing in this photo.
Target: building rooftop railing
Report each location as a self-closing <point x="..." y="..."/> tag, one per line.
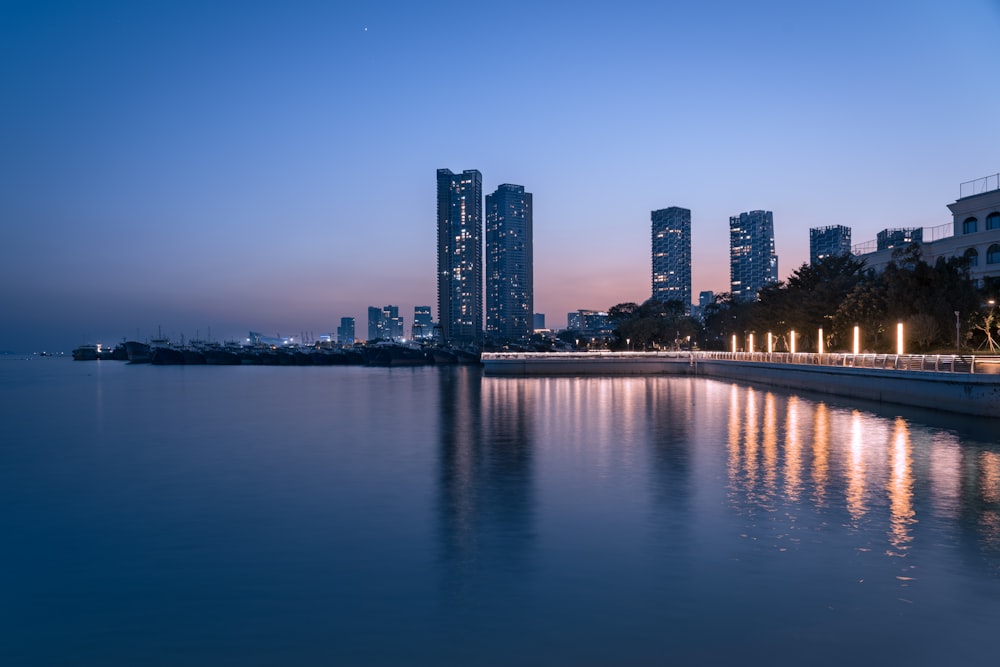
<point x="930" y="234"/>
<point x="978" y="186"/>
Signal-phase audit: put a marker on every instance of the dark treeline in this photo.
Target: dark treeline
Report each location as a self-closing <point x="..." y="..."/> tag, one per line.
<point x="835" y="295"/>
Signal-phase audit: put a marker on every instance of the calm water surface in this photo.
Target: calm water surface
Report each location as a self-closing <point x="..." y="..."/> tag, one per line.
<point x="357" y="516"/>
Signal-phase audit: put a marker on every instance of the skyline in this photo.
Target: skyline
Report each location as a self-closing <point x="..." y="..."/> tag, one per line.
<point x="237" y="168"/>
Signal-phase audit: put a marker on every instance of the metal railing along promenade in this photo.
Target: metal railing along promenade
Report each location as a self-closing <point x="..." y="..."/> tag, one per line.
<point x="939" y="363"/>
<point x="932" y="363"/>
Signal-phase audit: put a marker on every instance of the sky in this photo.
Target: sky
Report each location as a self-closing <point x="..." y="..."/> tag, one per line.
<point x="220" y="167"/>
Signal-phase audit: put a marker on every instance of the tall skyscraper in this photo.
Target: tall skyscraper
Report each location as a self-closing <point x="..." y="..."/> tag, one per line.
<point x="509" y="256"/>
<point x="423" y="327"/>
<point x="672" y="255"/>
<point x="345" y="332"/>
<point x="752" y="262"/>
<point x="460" y="255"/>
<point x="829" y="241"/>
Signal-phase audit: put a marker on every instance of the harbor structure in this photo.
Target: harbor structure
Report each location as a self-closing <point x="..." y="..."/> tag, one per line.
<point x="829" y="241"/>
<point x="509" y="260"/>
<point x="671" y="255"/>
<point x="460" y="255"/>
<point x="752" y="260"/>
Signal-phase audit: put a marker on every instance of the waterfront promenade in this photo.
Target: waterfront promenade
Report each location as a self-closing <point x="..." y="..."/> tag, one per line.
<point x="966" y="384"/>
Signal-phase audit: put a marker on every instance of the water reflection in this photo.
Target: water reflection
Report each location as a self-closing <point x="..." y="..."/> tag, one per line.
<point x="485" y="460"/>
<point x="804" y="464"/>
<point x="862" y="464"/>
<point x="900" y="491"/>
<point x="855" y="471"/>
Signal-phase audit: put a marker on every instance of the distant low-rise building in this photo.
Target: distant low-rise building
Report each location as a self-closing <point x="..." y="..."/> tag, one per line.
<point x="423" y="326"/>
<point x="384" y="323"/>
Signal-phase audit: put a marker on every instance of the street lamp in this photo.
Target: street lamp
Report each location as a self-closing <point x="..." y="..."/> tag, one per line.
<point x="734" y="343"/>
<point x="958" y="325"/>
<point x="899" y="338"/>
<point x="770" y="343"/>
<point x="792" y="340"/>
<point x="857" y="339"/>
<point x="751" y="343"/>
<point x="628" y="343"/>
<point x="820" y="337"/>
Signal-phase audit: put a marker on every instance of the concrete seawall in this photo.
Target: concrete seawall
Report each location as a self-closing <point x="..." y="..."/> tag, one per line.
<point x="961" y="392"/>
<point x="955" y="392"/>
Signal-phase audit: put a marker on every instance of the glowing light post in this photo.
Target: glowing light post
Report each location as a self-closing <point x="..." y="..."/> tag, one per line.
<point x="734" y="343"/>
<point x="899" y="338"/>
<point x="792" y="338"/>
<point x="770" y="343"/>
<point x="628" y="342"/>
<point x="820" y="347"/>
<point x="751" y="344"/>
<point x="857" y="339"/>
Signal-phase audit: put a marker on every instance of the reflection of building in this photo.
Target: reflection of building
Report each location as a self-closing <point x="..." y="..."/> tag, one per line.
<point x="423" y="327"/>
<point x="671" y="247"/>
<point x="345" y="332"/>
<point x="974" y="232"/>
<point x="752" y="261"/>
<point x="384" y="323"/>
<point x="829" y="242"/>
<point x="509" y="289"/>
<point x="485" y="479"/>
<point x="460" y="255"/>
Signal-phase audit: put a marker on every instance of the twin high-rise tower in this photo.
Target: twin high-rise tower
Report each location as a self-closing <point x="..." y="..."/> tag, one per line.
<point x="509" y="293"/>
<point x="671" y="244"/>
<point x="752" y="260"/>
<point x="509" y="276"/>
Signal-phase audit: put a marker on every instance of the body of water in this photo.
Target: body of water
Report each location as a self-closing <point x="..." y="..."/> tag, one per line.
<point x="361" y="516"/>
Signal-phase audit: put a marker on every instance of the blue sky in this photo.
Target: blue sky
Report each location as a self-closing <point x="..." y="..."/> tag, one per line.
<point x="270" y="166"/>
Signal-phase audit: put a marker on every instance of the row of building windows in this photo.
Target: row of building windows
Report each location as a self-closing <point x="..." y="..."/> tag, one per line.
<point x="971" y="225"/>
<point x="992" y="255"/>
